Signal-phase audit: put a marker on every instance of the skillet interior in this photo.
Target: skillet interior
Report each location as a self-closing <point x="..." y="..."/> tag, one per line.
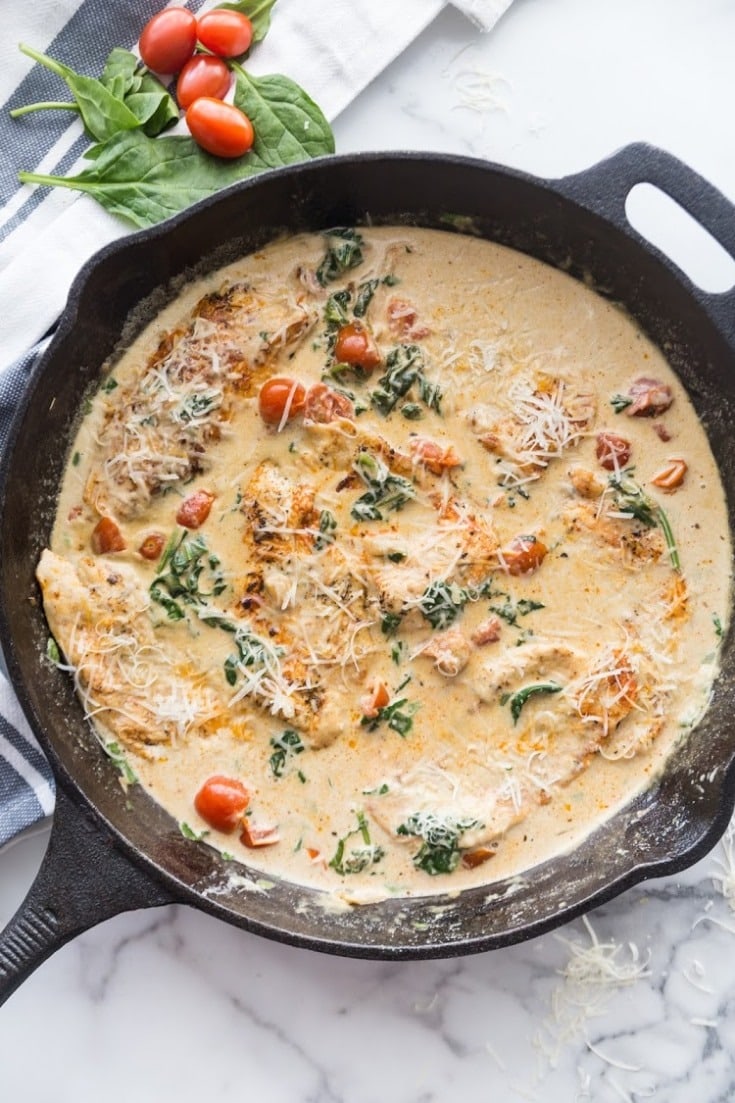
<point x="666" y="828"/>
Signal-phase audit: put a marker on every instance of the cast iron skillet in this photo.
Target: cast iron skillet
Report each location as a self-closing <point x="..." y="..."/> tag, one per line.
<point x="110" y="851"/>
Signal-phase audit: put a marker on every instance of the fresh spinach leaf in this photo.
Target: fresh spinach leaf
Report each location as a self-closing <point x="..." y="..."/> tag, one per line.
<point x="103" y="114"/>
<point x="144" y="180"/>
<point x="152" y="105"/>
<point x="121" y="73"/>
<point x="288" y="125"/>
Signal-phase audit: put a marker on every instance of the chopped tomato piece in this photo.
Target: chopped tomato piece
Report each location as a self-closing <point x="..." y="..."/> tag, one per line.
<point x="613" y="451"/>
<point x="195" y="509"/>
<point x="487" y="632"/>
<point x="254" y="835"/>
<point x="670" y="477"/>
<point x="650" y="398"/>
<point x="374" y="700"/>
<point x="355" y="346"/>
<point x="152" y="546"/>
<point x="221" y="802"/>
<point x="323" y="404"/>
<point x="432" y="456"/>
<point x="523" y="555"/>
<point x="106" y="537"/>
<point x="281" y="399"/>
<point x="475" y="857"/>
<point x="403" y="318"/>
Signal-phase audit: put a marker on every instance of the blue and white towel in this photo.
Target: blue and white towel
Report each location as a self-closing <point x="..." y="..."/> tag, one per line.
<point x="334" y="48"/>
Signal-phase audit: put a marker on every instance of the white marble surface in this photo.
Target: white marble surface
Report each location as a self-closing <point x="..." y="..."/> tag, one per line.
<point x="172" y="1004"/>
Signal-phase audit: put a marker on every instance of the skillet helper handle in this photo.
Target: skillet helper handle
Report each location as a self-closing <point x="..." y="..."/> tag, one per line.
<point x="605" y="187"/>
<point x="83" y="880"/>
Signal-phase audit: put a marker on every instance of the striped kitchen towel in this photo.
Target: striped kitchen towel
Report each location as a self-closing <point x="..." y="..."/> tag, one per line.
<point x="333" y="48"/>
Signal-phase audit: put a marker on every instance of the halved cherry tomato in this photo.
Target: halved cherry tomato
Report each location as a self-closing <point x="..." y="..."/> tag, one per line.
<point x="613" y="451"/>
<point x="168" y="40"/>
<point x="374" y="700"/>
<point x="225" y="33"/>
<point x="106" y="537"/>
<point x="202" y="75"/>
<point x="195" y="509"/>
<point x="220" y="128"/>
<point x="524" y="554"/>
<point x="323" y="404"/>
<point x="281" y="397"/>
<point x="354" y="345"/>
<point x="221" y="802"/>
<point x="152" y="546"/>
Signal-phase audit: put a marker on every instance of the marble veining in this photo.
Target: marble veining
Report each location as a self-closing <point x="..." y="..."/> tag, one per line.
<point x="173" y="1004"/>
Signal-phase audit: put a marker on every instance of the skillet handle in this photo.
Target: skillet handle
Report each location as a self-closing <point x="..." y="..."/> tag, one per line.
<point x="605" y="187"/>
<point x="83" y="880"/>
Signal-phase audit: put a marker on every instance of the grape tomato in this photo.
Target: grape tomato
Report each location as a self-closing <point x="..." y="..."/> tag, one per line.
<point x="168" y="40"/>
<point x="202" y="75"/>
<point x="225" y="33"/>
<point x="219" y="128"/>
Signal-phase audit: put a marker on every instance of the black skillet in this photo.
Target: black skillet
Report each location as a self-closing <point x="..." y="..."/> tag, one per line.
<point x="110" y="851"/>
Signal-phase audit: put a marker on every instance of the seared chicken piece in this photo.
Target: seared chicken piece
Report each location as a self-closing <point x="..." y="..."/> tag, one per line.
<point x="157" y="431"/>
<point x="98" y="615"/>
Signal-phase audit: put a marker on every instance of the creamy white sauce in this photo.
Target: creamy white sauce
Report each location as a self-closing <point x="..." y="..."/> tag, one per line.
<point x="527" y="361"/>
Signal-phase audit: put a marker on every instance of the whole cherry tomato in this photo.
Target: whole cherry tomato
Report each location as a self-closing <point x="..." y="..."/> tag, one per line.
<point x="168" y="40"/>
<point x="281" y="396"/>
<point x="220" y="128"/>
<point x="202" y="75"/>
<point x="221" y="802"/>
<point x="355" y="346"/>
<point x="225" y="33"/>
